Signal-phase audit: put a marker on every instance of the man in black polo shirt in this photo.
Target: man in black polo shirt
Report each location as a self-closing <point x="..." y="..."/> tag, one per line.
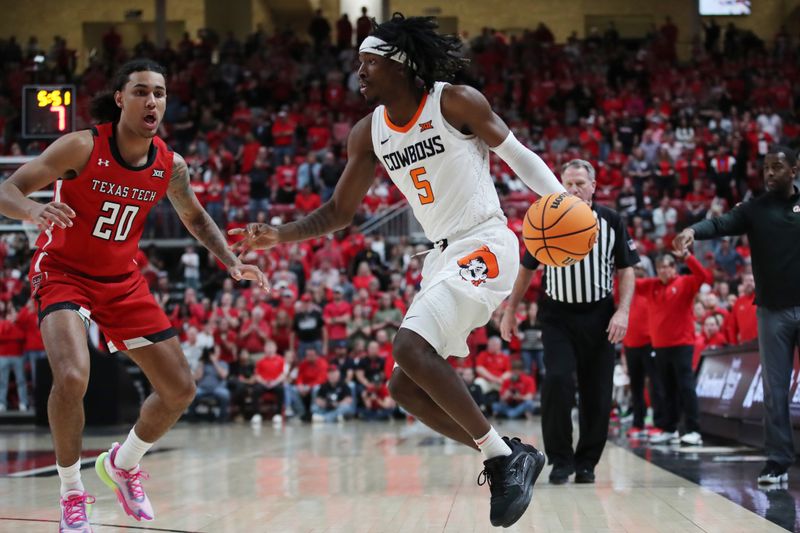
<point x="579" y="329"/>
<point x="772" y="223"/>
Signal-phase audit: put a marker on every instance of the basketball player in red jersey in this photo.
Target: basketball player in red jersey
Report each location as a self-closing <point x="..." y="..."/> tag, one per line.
<point x="106" y="181"/>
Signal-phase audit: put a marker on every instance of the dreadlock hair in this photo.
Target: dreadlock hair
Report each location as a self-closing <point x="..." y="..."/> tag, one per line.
<point x="431" y="56"/>
<point x="103" y="107"/>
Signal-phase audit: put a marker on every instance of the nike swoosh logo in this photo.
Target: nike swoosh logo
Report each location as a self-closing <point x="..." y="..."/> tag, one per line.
<point x="412" y="316"/>
<point x="386" y="141"/>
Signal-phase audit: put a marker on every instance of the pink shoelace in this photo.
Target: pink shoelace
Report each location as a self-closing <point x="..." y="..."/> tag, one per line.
<point x="75" y="508"/>
<point x="133" y="480"/>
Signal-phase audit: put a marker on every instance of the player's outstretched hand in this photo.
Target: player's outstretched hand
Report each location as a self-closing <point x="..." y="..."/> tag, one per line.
<point x="256" y="237"/>
<point x="249" y="272"/>
<point x="57" y="213"/>
<point x="683" y="241"/>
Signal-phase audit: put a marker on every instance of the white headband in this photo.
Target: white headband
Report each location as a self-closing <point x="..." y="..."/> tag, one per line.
<point x="377" y="46"/>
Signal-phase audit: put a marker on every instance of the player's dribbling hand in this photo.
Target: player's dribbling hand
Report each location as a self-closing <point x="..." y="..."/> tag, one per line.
<point x="683" y="241"/>
<point x="256" y="237"/>
<point x="57" y="213"/>
<point x="249" y="272"/>
<point x="508" y="326"/>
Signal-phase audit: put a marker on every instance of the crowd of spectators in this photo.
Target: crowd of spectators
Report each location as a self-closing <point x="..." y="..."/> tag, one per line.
<point x="262" y="124"/>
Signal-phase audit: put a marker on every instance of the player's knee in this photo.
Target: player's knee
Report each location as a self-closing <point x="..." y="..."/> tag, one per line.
<point x="181" y="394"/>
<point x="407" y="348"/>
<point x="400" y="388"/>
<point x="189" y="391"/>
<point x="71" y="382"/>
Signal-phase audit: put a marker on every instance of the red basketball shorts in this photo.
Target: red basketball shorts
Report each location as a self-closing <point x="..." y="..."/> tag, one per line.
<point x="121" y="306"/>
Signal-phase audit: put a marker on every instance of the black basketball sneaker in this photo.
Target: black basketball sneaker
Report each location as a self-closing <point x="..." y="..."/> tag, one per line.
<point x="511" y="479"/>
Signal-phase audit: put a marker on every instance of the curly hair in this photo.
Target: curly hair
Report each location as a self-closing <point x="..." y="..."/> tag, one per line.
<point x="431" y="56"/>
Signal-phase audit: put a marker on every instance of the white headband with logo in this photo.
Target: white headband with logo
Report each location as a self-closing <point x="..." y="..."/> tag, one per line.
<point x="377" y="46"/>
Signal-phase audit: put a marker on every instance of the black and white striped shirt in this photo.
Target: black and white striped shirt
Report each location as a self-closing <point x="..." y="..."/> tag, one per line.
<point x="592" y="278"/>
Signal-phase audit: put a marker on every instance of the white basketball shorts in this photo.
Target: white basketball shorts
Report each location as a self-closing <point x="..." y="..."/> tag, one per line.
<point x="462" y="285"/>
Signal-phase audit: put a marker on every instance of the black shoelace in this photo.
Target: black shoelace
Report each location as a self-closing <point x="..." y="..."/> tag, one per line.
<point x="485" y="477"/>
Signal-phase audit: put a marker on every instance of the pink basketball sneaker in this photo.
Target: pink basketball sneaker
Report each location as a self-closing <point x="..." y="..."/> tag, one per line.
<point x="126" y="484"/>
<point x="76" y="506"/>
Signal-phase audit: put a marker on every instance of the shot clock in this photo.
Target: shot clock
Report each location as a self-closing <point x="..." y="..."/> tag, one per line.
<point x="48" y="111"/>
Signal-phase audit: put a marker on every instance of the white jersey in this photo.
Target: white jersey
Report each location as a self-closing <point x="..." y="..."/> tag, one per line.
<point x="443" y="173"/>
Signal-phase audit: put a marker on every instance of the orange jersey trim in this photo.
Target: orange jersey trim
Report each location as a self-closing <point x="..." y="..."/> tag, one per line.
<point x="410" y="124"/>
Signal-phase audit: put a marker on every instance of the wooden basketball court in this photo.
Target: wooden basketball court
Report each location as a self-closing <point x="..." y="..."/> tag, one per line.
<point x="353" y="477"/>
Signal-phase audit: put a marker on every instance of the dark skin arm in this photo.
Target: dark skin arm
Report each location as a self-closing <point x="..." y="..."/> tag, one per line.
<point x="200" y="224"/>
<point x="334" y="214"/>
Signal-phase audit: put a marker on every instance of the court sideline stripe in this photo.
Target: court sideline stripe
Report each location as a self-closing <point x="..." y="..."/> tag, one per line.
<point x="85" y="461"/>
<point x="51" y="468"/>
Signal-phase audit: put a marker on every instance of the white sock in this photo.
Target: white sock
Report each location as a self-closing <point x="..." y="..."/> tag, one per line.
<point x="491" y="445"/>
<point x="131" y="451"/>
<point x="70" y="477"/>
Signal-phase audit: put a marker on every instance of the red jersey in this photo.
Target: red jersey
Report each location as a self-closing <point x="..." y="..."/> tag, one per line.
<point x="111" y="200"/>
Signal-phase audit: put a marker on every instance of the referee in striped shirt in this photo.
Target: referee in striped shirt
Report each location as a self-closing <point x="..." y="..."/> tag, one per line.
<point x="579" y="330"/>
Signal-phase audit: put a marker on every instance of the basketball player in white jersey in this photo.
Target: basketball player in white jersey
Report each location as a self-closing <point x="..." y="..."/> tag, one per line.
<point x="434" y="140"/>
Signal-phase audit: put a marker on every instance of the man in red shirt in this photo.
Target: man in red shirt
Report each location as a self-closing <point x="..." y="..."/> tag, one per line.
<point x="283" y="130"/>
<point x="307" y="200"/>
<point x="516" y="394"/>
<point x="378" y="405"/>
<point x="226" y="338"/>
<point x="253" y="333"/>
<point x="336" y="316"/>
<point x="670" y="301"/>
<point x="712" y="337"/>
<point x="741" y="325"/>
<point x="493" y="367"/>
<point x="271" y="373"/>
<point x="311" y="373"/>
<point x="640" y="361"/>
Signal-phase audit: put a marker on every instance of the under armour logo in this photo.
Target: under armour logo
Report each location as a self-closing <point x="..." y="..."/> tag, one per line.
<point x="102" y="162"/>
<point x="157" y="173"/>
<point x="796" y="209"/>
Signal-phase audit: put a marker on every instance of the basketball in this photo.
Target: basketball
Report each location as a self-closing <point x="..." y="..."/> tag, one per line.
<point x="559" y="229"/>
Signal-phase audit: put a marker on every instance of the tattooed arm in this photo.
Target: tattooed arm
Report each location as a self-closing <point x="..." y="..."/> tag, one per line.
<point x="336" y="213"/>
<point x="202" y="226"/>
